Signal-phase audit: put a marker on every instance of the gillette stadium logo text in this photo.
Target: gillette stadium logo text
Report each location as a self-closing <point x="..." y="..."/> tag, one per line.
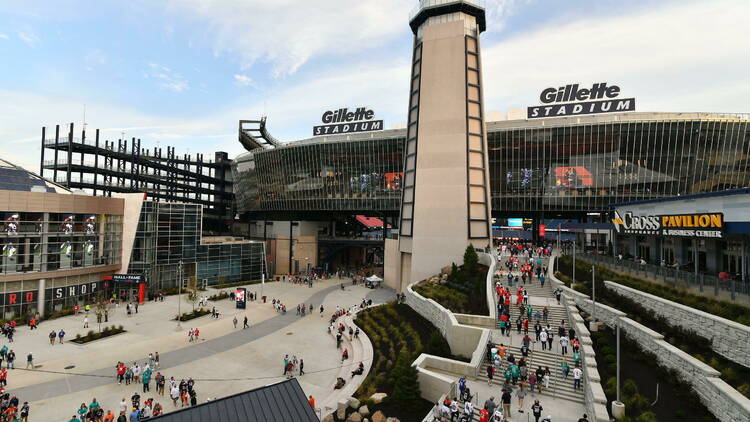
<point x="345" y="121"/>
<point x="573" y="98"/>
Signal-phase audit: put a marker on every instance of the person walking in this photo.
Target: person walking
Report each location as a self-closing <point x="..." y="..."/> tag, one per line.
<point x="61" y="336"/>
<point x="245" y="324"/>
<point x="505" y="399"/>
<point x="521" y="394"/>
<point x="29" y="361"/>
<point x="490" y="373"/>
<point x="52" y="337"/>
<point x="577" y="373"/>
<point x="564" y="341"/>
<point x="542" y="337"/>
<point x="174" y="394"/>
<point x="234" y="322"/>
<point x="490" y="405"/>
<point x="536" y="410"/>
<point x="301" y="367"/>
<point x="86" y="321"/>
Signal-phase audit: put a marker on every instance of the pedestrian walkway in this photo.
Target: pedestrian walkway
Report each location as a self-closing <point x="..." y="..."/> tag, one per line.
<point x="228" y="360"/>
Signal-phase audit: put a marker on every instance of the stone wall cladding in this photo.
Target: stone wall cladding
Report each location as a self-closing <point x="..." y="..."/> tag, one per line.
<point x="726" y="403"/>
<point x="728" y="338"/>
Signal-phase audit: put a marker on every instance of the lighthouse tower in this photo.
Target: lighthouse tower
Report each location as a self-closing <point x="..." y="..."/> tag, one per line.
<point x="446" y="199"/>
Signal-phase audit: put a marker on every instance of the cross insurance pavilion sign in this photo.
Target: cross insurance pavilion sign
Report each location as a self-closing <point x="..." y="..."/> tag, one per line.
<point x="344" y="120"/>
<point x="572" y="100"/>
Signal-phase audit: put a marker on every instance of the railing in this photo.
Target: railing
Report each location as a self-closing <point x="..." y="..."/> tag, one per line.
<point x="671" y="275"/>
<point x="425" y="4"/>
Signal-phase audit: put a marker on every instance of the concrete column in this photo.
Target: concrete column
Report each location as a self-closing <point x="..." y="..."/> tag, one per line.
<point x="40" y="296"/>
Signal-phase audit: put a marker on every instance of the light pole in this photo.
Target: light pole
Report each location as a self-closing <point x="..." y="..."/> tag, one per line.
<point x="179" y="297"/>
<point x="574" y="260"/>
<point x="593" y="295"/>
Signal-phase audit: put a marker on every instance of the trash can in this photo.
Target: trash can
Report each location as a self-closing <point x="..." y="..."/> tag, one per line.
<point x="264" y="299"/>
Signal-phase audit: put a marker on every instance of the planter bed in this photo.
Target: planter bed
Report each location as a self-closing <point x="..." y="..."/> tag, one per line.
<point x="93" y="336"/>
<point x="639" y="374"/>
<point x="397" y="333"/>
<point x="688" y="341"/>
<point x="193" y="315"/>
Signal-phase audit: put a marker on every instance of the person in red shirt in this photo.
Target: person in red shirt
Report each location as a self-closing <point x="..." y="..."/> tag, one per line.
<point x="121" y="369"/>
<point x="311" y="400"/>
<point x="196" y="333"/>
<point x="3" y="377"/>
<point x="484" y="415"/>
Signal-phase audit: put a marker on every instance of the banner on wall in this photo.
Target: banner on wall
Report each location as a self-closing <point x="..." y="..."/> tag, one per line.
<point x="59" y="293"/>
<point x="11" y="223"/>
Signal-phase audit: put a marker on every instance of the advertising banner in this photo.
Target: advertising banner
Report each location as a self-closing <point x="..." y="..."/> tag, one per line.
<point x="240" y="297"/>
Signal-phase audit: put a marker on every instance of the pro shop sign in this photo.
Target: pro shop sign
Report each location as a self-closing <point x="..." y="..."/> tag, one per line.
<point x="572" y="100"/>
<point x="345" y="121"/>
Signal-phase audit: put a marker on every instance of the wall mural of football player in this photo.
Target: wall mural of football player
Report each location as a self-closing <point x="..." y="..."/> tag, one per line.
<point x="39" y="225"/>
<point x="66" y="248"/>
<point x="11" y="224"/>
<point x="91" y="225"/>
<point x="88" y="247"/>
<point x="9" y="250"/>
<point x="67" y="225"/>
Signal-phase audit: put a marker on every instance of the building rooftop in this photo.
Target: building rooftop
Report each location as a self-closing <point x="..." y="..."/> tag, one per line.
<point x="13" y="177"/>
<point x="282" y="402"/>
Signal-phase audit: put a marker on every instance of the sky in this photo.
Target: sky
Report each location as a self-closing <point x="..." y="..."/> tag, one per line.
<point x="184" y="72"/>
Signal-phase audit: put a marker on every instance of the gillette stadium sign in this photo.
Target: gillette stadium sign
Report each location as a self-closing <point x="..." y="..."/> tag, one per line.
<point x="685" y="225"/>
<point x="572" y="100"/>
<point x="345" y="121"/>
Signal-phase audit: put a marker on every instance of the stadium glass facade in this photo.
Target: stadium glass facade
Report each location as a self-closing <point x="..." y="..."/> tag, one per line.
<point x="562" y="165"/>
<point x="171" y="232"/>
<point x="352" y="174"/>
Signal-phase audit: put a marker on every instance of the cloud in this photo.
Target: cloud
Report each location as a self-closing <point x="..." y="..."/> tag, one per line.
<point x="288" y="33"/>
<point x="30" y="38"/>
<point x="681" y="55"/>
<point x="243" y="80"/>
<point x="3" y="36"/>
<point x="168" y="80"/>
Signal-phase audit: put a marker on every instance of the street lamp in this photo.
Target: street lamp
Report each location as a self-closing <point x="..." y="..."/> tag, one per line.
<point x="179" y="297"/>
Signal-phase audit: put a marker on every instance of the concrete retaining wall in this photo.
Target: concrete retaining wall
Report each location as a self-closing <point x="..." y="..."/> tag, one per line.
<point x="728" y="338"/>
<point x="464" y="340"/>
<point x="723" y="401"/>
<point x="595" y="399"/>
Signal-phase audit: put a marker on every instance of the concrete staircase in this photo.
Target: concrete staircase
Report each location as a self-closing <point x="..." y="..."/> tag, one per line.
<point x="558" y="386"/>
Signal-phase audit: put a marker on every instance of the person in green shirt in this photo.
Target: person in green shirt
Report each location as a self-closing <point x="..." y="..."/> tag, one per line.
<point x="82" y="411"/>
<point x="94" y="404"/>
<point x="565" y="368"/>
<point x="508" y="375"/>
<point x="146" y="378"/>
<point x="73" y="418"/>
<point x="514" y="373"/>
<point x="4" y="351"/>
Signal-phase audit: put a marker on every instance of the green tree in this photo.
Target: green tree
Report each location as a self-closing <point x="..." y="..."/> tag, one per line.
<point x="192" y="291"/>
<point x="437" y="345"/>
<point x="471" y="262"/>
<point x="405" y="380"/>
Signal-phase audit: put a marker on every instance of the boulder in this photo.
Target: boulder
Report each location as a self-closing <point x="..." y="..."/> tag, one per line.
<point x="354" y="417"/>
<point x="392" y="420"/>
<point x="378" y="397"/>
<point x="378" y="416"/>
<point x="364" y="411"/>
<point x="445" y="270"/>
<point x="341" y="414"/>
<point x="353" y="403"/>
<point x="329" y="418"/>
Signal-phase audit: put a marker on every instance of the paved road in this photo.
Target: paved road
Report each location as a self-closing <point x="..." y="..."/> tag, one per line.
<point x="207" y="348"/>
